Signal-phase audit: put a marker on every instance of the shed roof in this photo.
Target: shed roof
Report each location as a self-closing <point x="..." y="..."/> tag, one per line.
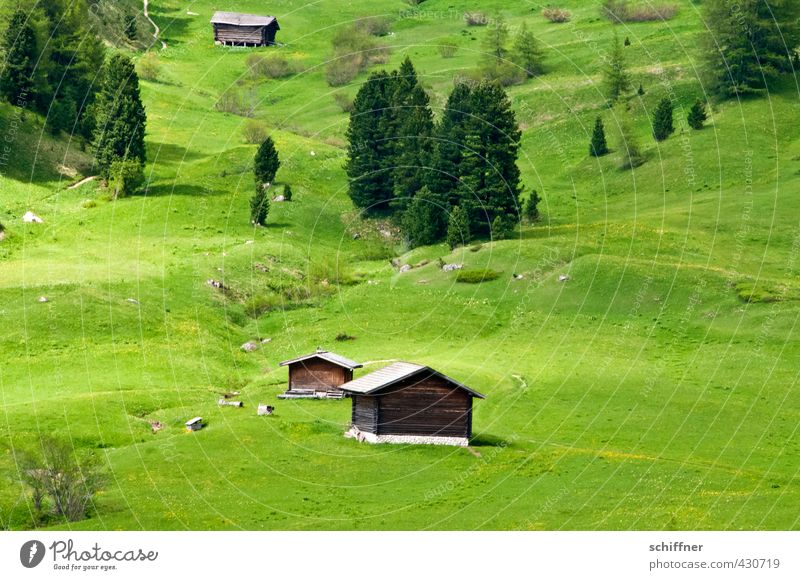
<point x="395" y="372"/>
<point x="238" y="19"/>
<point x="328" y="356"/>
<point x="193" y="421"/>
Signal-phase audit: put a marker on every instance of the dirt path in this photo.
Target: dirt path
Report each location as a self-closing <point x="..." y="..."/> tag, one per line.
<point x="82" y="181"/>
<point x="155" y="26"/>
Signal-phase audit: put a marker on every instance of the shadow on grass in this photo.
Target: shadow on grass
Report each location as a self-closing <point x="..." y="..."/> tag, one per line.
<point x="488" y="440"/>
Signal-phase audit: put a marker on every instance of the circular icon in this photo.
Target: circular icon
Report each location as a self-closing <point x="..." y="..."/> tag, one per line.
<point x="31" y="553"/>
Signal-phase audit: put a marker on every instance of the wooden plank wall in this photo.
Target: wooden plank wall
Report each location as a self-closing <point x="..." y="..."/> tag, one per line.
<point x="239" y="34"/>
<point x="365" y="413"/>
<point x="317" y="374"/>
<point x="427" y="406"/>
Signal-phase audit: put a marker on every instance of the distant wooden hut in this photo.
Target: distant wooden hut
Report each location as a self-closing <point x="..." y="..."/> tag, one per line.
<point x="318" y="375"/>
<point x="410" y="403"/>
<point x="235" y="29"/>
<point x="195" y="424"/>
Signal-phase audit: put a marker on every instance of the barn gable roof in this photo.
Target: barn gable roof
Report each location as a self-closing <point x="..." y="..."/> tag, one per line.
<point x="238" y="19"/>
<point x="395" y="372"/>
<point x="328" y="356"/>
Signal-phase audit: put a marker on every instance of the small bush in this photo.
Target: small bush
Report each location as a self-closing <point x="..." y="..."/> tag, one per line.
<point x="87" y="204"/>
<point x="273" y="66"/>
<point x="477" y="276"/>
<point x="353" y="51"/>
<point x="260" y="304"/>
<point x="374" y="26"/>
<point x="287" y="192"/>
<point x="150" y="67"/>
<point x="623" y="11"/>
<point x="254" y="132"/>
<point x="234" y="102"/>
<point x="476" y="19"/>
<point x="557" y="15"/>
<point x="448" y="48"/>
<point x="343" y="337"/>
<point x="345" y="103"/>
<point x="125" y="177"/>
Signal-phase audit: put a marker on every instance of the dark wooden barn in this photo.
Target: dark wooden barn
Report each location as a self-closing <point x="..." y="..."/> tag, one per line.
<point x="232" y="28"/>
<point x="410" y="403"/>
<point x="318" y="375"/>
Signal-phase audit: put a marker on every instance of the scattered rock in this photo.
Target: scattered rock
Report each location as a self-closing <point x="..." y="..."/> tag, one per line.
<point x="250" y="346"/>
<point x="156" y="426"/>
<point x="266" y="340"/>
<point x="215" y="284"/>
<point x="563" y="278"/>
<point x="518" y="277"/>
<point x="395" y="262"/>
<point x="261" y="267"/>
<point x="32" y="218"/>
<point x="43" y="299"/>
<point x="386" y="233"/>
<point x="372" y="282"/>
<point x="422" y="282"/>
<point x="132" y="300"/>
<point x="265" y="409"/>
<point x="405" y="268"/>
<point x="2" y="235"/>
<point x="248" y="242"/>
<point x="451" y="267"/>
<point x="278" y="198"/>
<point x="356" y="236"/>
<point x="313" y="154"/>
<point x="190" y="13"/>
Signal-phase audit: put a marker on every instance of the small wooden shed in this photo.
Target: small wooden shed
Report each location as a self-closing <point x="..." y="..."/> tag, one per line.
<point x="410" y="403"/>
<point x="236" y="29"/>
<point x="318" y="375"/>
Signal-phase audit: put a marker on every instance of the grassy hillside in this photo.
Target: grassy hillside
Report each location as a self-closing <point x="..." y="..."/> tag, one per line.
<point x="655" y="389"/>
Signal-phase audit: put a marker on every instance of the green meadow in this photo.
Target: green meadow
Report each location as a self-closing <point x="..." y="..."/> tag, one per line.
<point x="655" y="388"/>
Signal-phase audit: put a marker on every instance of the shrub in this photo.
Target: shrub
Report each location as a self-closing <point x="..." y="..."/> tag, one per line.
<point x="87" y="204"/>
<point x="697" y="115"/>
<point x="150" y="67"/>
<point x="343" y="337"/>
<point x="557" y="15"/>
<point x="345" y="103"/>
<point x="287" y="192"/>
<point x="260" y="304"/>
<point x="125" y="177"/>
<point x="476" y="19"/>
<point x="623" y="11"/>
<point x="254" y="132"/>
<point x="273" y="66"/>
<point x="374" y="26"/>
<point x="234" y="102"/>
<point x="448" y="48"/>
<point x="58" y="475"/>
<point x="353" y="51"/>
<point x="477" y="276"/>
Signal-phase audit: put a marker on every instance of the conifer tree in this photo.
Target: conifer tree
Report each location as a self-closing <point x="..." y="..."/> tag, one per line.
<point x="287" y="192"/>
<point x="527" y="52"/>
<point x="369" y="150"/>
<point x="598" y="147"/>
<point x="412" y="127"/>
<point x="489" y="177"/>
<point x="458" y="228"/>
<point x="662" y="120"/>
<point x="259" y="206"/>
<point x="532" y="207"/>
<point x="425" y="220"/>
<point x="697" y="115"/>
<point x="450" y="135"/>
<point x="121" y="117"/>
<point x="266" y="163"/>
<point x="617" y="80"/>
<point x="630" y="152"/>
<point x="21" y="54"/>
<point x="748" y="44"/>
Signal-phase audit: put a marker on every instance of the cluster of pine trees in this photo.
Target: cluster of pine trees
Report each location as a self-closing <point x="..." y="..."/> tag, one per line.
<point x="458" y="174"/>
<point x="56" y="65"/>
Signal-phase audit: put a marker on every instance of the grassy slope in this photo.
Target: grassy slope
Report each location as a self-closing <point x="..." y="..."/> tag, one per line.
<point x="643" y="393"/>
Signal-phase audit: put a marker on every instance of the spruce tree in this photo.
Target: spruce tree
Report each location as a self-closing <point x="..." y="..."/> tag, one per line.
<point x="458" y="232"/>
<point x="266" y="163"/>
<point x="425" y="220"/>
<point x="697" y="115"/>
<point x="489" y="177"/>
<point x="532" y="207"/>
<point x="287" y="192"/>
<point x="411" y="131"/>
<point x="494" y="61"/>
<point x="21" y="51"/>
<point x="617" y="80"/>
<point x="748" y="44"/>
<point x="369" y="152"/>
<point x="259" y="206"/>
<point x="121" y="117"/>
<point x="598" y="147"/>
<point x="450" y="135"/>
<point x="662" y="120"/>
<point x="527" y="52"/>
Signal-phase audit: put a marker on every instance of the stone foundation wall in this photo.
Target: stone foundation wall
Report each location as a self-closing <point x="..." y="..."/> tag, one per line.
<point x="355" y="433"/>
